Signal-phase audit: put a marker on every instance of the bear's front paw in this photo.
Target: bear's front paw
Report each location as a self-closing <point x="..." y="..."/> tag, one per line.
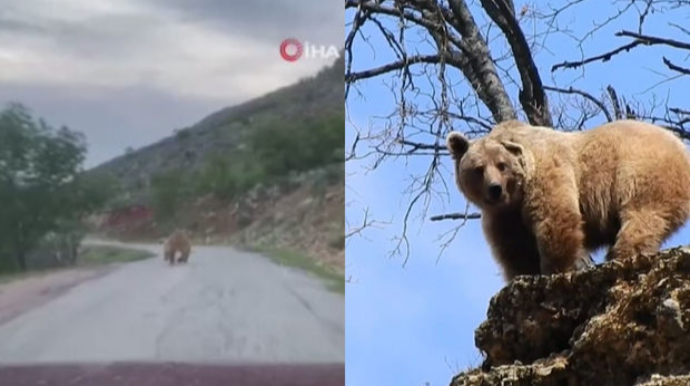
<point x="584" y="262"/>
<point x="551" y="267"/>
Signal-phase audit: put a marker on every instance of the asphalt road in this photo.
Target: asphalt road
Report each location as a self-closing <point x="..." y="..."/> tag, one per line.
<point x="225" y="306"/>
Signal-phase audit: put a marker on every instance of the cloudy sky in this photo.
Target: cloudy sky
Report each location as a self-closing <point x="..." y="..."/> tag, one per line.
<point x="129" y="72"/>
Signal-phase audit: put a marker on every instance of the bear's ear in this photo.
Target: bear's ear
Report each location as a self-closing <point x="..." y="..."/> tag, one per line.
<point x="457" y="144"/>
<point x="512" y="147"/>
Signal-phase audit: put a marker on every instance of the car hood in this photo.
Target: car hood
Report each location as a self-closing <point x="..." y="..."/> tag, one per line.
<point x="172" y="374"/>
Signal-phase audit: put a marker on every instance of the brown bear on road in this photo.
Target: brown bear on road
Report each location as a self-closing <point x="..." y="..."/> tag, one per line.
<point x="549" y="197"/>
<point x="177" y="243"/>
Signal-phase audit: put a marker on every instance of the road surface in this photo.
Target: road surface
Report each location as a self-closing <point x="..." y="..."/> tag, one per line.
<point x="225" y="306"/>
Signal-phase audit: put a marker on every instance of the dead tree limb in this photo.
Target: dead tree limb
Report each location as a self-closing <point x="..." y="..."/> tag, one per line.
<point x="456" y="216"/>
<point x="531" y="96"/>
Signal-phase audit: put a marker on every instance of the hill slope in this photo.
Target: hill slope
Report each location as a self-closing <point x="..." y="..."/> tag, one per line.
<point x="250" y="174"/>
<point x="222" y="131"/>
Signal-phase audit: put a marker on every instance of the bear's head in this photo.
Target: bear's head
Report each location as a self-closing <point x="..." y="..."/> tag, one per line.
<point x="490" y="172"/>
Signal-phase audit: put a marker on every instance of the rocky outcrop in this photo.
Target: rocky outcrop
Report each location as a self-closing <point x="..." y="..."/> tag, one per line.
<point x="622" y="323"/>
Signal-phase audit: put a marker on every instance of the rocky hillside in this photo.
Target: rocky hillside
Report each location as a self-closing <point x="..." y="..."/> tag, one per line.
<point x="223" y="131"/>
<point x="620" y="324"/>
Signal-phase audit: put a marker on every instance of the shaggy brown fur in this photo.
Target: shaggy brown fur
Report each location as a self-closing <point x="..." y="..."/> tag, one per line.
<point x="549" y="197"/>
<point x="177" y="243"/>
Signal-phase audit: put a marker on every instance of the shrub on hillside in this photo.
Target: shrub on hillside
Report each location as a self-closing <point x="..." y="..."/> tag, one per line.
<point x="216" y="178"/>
<point x="274" y="152"/>
<point x="225" y="178"/>
<point x="296" y="147"/>
<point x="169" y="189"/>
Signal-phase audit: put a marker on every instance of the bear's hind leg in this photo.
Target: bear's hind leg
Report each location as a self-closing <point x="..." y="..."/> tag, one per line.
<point x="184" y="256"/>
<point x="641" y="232"/>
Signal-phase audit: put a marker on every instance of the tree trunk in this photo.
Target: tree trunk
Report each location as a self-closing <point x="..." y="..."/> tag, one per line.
<point x="21" y="258"/>
<point x="73" y="248"/>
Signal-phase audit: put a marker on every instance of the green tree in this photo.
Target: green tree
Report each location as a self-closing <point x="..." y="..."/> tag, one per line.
<point x="300" y="146"/>
<point x="168" y="191"/>
<point x="40" y="180"/>
<point x="218" y="179"/>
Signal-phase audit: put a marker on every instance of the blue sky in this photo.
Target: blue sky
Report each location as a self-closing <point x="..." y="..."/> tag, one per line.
<point x="415" y="325"/>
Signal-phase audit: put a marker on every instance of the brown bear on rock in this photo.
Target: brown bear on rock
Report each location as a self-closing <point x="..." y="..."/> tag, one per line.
<point x="548" y="198"/>
<point x="177" y="243"/>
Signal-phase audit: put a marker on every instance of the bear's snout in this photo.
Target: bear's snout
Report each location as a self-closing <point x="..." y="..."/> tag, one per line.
<point x="494" y="191"/>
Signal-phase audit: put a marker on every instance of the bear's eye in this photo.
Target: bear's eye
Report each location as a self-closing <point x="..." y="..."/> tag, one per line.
<point x="479" y="170"/>
<point x="501" y="166"/>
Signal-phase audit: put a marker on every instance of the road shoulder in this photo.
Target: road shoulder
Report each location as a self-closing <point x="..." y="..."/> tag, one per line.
<point x="23" y="294"/>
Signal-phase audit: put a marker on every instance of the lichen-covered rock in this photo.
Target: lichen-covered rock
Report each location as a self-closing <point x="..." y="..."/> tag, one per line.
<point x="658" y="380"/>
<point x="622" y="323"/>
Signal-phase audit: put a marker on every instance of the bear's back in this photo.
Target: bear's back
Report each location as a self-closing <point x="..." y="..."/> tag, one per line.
<point x="178" y="240"/>
<point x="629" y="148"/>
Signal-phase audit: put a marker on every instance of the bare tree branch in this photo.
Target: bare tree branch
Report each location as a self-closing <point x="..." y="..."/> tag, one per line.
<point x="614" y="100"/>
<point x="682" y="70"/>
<point x="588" y="96"/>
<point x="396" y="66"/>
<point x="456" y="216"/>
<point x="532" y="96"/>
<point x="651" y="40"/>
<point x="679" y="111"/>
<point x="366" y="224"/>
<point x="453" y="232"/>
<point x="416" y="146"/>
<point x="639" y="40"/>
<point x="605" y="57"/>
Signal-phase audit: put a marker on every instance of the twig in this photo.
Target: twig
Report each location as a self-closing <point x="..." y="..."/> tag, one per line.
<point x="679" y="111"/>
<point x="651" y="40"/>
<point x="614" y="101"/>
<point x="366" y="223"/>
<point x="682" y="70"/>
<point x="571" y="90"/>
<point x="640" y="39"/>
<point x="605" y="57"/>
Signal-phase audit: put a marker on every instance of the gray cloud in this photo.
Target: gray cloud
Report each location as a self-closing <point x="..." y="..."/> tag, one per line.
<point x="128" y="72"/>
<point x="321" y="22"/>
<point x="112" y="119"/>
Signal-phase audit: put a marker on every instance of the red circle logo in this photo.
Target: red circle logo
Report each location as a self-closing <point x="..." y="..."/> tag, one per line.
<point x="291" y="49"/>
